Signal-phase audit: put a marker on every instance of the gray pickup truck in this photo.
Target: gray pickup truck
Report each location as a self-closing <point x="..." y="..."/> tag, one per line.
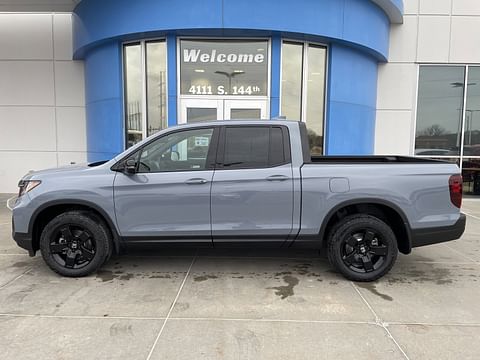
<point x="239" y="181"/>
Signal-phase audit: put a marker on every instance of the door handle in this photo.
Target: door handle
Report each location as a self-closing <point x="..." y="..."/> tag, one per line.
<point x="196" y="181"/>
<point x="277" y="178"/>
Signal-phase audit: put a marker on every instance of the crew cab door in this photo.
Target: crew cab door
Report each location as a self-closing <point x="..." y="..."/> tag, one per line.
<point x="252" y="190"/>
<point x="168" y="197"/>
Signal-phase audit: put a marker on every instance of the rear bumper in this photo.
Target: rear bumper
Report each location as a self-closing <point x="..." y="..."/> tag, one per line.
<point x="429" y="236"/>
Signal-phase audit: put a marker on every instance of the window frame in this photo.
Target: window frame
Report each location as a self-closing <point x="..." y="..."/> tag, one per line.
<point x="304" y="88"/>
<point x="220" y="156"/>
<point x="143" y="72"/>
<point x="210" y="160"/>
<point x="181" y="96"/>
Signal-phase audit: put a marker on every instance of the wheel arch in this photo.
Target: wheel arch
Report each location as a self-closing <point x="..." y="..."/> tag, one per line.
<point x="49" y="210"/>
<point x="385" y="210"/>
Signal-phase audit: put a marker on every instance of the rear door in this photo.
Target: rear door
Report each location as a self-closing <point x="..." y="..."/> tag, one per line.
<point x="252" y="189"/>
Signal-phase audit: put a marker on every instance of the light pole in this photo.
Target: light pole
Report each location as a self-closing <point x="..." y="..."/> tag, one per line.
<point x="230" y="76"/>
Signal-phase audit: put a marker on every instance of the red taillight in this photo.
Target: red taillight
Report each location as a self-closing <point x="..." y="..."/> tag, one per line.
<point x="455" y="184"/>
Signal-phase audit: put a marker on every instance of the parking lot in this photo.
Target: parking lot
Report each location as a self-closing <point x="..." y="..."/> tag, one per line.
<point x="186" y="303"/>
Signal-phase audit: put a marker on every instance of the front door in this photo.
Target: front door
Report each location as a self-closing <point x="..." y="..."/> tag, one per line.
<point x="169" y="195"/>
<point x="194" y="110"/>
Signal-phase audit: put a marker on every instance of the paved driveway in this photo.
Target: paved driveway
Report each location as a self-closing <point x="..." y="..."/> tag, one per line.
<point x="242" y="304"/>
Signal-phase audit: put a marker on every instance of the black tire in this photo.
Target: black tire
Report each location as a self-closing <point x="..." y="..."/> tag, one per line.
<point x="75" y="243"/>
<point x="362" y="247"/>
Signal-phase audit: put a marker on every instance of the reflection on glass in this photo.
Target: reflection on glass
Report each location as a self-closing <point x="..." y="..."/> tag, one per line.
<point x="244" y="114"/>
<point x="156" y="86"/>
<point x="439" y="114"/>
<point x="472" y="113"/>
<point x="219" y="67"/>
<point x="471" y="176"/>
<point x="133" y="93"/>
<point x="180" y="151"/>
<point x="315" y="97"/>
<point x="195" y="115"/>
<point x="292" y="64"/>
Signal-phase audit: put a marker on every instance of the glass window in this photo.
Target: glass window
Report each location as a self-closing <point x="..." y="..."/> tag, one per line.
<point x="156" y="63"/>
<point x="439" y="110"/>
<point x="195" y="115"/>
<point x="303" y="88"/>
<point x="254" y="147"/>
<point x="472" y="113"/>
<point x="145" y="88"/>
<point x="242" y="114"/>
<point x="246" y="147"/>
<point x="277" y="147"/>
<point x="219" y="67"/>
<point x="292" y="69"/>
<point x="133" y="93"/>
<point x="316" y="57"/>
<point x="180" y="151"/>
<point x="471" y="176"/>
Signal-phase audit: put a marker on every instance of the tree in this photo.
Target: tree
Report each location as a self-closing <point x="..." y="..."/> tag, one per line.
<point x="434" y="130"/>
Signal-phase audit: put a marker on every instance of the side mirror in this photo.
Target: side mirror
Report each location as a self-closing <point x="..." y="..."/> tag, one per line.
<point x="130" y="166"/>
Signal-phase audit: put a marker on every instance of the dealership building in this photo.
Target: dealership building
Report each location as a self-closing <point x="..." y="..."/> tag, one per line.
<point x="82" y="80"/>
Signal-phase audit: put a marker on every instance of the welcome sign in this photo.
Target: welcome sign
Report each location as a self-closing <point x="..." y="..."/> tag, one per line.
<point x="224" y="67"/>
<point x="196" y="55"/>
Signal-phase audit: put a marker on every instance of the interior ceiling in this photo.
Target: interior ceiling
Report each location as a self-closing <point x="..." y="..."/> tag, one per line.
<point x="38" y="5"/>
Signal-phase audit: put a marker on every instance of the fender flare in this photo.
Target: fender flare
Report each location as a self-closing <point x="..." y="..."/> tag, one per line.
<point x="103" y="213"/>
<point x="374" y="201"/>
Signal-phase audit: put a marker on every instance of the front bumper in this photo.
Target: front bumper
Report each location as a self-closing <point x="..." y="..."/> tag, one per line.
<point x="429" y="236"/>
<point x="24" y="240"/>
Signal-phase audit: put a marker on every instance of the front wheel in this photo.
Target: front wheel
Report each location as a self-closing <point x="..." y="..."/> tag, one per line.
<point x="75" y="243"/>
<point x="362" y="247"/>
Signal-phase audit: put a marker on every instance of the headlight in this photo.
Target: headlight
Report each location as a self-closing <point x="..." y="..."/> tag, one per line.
<point x="25" y="186"/>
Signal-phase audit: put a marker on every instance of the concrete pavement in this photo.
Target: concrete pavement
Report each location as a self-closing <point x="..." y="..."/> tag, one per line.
<point x="190" y="303"/>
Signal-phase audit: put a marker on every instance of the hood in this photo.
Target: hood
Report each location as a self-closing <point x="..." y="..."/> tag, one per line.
<point x="62" y="169"/>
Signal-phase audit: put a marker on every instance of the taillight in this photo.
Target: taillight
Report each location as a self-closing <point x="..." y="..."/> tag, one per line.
<point x="455" y="184"/>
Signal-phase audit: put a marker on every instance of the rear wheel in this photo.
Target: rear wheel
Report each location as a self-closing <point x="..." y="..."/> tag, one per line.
<point x="75" y="243"/>
<point x="362" y="247"/>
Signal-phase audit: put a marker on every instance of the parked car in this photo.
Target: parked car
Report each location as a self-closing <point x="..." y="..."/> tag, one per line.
<point x="239" y="181"/>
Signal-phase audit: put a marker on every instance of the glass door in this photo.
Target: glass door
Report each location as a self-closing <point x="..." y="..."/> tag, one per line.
<point x="199" y="110"/>
<point x="245" y="109"/>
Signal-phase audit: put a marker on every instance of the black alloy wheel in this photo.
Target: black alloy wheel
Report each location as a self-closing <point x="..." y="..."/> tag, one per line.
<point x="362" y="247"/>
<point x="75" y="243"/>
<point x="73" y="246"/>
<point x="364" y="251"/>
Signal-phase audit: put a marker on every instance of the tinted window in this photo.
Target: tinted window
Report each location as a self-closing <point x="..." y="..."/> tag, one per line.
<point x="439" y="114"/>
<point x="219" y="67"/>
<point x="179" y="151"/>
<point x="253" y="147"/>
<point x="303" y="88"/>
<point x="277" y="155"/>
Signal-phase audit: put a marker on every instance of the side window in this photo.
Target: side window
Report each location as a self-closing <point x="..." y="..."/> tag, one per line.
<point x="277" y="154"/>
<point x="253" y="147"/>
<point x="180" y="151"/>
